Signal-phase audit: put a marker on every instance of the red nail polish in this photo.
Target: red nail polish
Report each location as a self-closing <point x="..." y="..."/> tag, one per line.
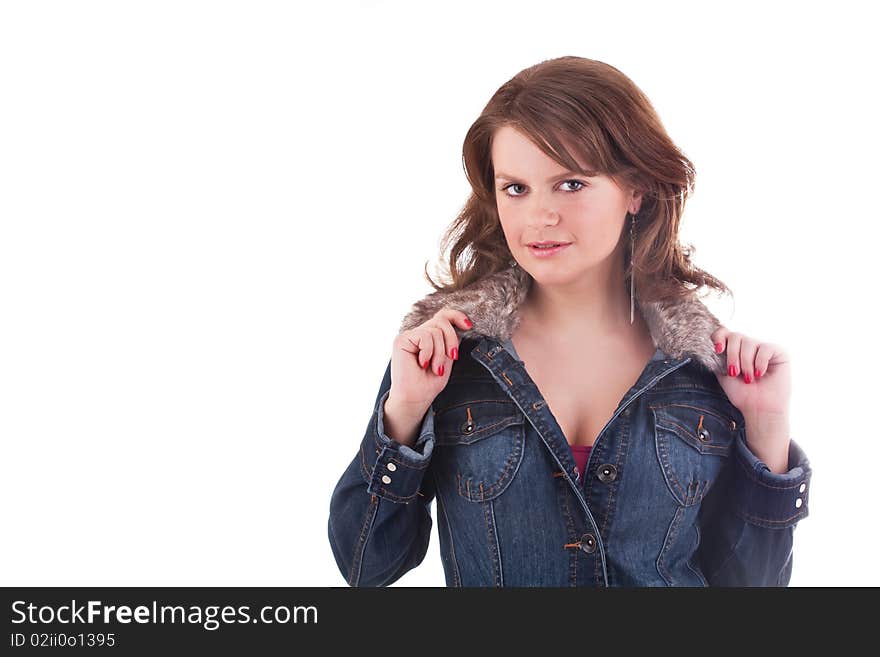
<point x="730" y="370"/>
<point x="427" y="362"/>
<point x="440" y="371"/>
<point x="719" y="347"/>
<point x="468" y="323"/>
<point x="757" y="374"/>
<point x="747" y="378"/>
<point x="455" y="353"/>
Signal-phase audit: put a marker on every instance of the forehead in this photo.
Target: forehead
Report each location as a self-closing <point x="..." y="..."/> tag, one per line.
<point x="514" y="153"/>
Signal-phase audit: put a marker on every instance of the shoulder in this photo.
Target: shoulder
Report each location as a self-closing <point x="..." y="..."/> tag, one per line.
<point x="466" y="368"/>
<point x="694" y="384"/>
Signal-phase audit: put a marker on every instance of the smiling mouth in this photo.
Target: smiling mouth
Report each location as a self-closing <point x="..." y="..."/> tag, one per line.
<point x="546" y="250"/>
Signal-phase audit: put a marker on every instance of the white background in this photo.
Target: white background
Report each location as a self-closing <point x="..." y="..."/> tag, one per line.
<point x="213" y="216"/>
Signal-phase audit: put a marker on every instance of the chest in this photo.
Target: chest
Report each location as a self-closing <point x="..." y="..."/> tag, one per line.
<point x="583" y="387"/>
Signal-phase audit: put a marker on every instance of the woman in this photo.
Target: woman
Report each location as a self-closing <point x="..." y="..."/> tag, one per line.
<point x="580" y="416"/>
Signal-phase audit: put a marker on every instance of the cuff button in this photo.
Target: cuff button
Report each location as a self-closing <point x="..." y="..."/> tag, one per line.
<point x="798" y="503"/>
<point x="391" y="467"/>
<point x="802" y="488"/>
<point x="387" y="480"/>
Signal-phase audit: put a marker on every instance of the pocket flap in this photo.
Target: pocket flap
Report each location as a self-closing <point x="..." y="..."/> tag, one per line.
<point x="468" y="422"/>
<point x="704" y="429"/>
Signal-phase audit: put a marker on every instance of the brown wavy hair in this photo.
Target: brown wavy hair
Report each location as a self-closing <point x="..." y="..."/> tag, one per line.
<point x="611" y="125"/>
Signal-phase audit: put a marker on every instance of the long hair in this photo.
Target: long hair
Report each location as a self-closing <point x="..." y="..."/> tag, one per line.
<point x="612" y="125"/>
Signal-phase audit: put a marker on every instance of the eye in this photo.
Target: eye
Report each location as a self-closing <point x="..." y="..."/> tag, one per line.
<point x="504" y="189"/>
<point x="580" y="185"/>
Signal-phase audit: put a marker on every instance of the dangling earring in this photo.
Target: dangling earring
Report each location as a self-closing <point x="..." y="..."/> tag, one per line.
<point x="512" y="263"/>
<point x="632" y="273"/>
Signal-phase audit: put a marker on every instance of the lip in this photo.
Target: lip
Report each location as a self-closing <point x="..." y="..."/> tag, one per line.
<point x="546" y="253"/>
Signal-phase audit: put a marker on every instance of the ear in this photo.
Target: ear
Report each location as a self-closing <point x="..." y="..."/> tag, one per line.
<point x="635" y="202"/>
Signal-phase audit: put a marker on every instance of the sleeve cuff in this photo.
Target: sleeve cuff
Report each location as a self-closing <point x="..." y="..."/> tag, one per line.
<point x="766" y="498"/>
<point x="392" y="470"/>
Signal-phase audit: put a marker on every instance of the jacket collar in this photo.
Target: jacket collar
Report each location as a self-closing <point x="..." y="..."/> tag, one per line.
<point x="681" y="329"/>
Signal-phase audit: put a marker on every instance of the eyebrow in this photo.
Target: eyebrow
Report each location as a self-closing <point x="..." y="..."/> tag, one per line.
<point x="566" y="174"/>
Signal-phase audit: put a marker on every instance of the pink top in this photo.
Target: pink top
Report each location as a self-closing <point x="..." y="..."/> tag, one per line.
<point x="581" y="453"/>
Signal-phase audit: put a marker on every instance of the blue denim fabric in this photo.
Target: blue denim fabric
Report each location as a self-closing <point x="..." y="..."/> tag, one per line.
<point x="673" y="495"/>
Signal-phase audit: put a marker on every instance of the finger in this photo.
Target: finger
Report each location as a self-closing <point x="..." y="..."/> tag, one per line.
<point x="747" y="349"/>
<point x="455" y="317"/>
<point x="448" y="319"/>
<point x="438" y="360"/>
<point x="733" y="344"/>
<point x="409" y="340"/>
<point x="719" y="337"/>
<point x="774" y="355"/>
<point x="762" y="359"/>
<point x="425" y="343"/>
<point x="429" y="353"/>
<point x="450" y="338"/>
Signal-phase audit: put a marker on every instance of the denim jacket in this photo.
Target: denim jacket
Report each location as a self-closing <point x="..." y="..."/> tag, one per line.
<point x="672" y="495"/>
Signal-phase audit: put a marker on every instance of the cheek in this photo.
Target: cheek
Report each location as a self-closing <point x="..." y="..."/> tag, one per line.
<point x="511" y="219"/>
<point x="509" y="231"/>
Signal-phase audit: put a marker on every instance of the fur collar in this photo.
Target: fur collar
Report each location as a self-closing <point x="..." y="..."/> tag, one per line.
<point x="680" y="329"/>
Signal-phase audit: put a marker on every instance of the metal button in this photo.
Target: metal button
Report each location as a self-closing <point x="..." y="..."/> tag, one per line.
<point x="588" y="543"/>
<point x="798" y="502"/>
<point x="468" y="427"/>
<point x="733" y="424"/>
<point x="391" y="467"/>
<point x="703" y="433"/>
<point x="802" y="488"/>
<point x="386" y="479"/>
<point x="606" y="473"/>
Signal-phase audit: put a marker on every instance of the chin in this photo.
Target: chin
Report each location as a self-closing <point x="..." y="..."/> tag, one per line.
<point x="553" y="275"/>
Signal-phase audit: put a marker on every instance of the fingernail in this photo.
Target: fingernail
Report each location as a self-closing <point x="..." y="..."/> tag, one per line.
<point x="468" y="323"/>
<point x="719" y="347"/>
<point x="731" y="370"/>
<point x="455" y="353"/>
<point x="440" y="371"/>
<point x="747" y="378"/>
<point x="427" y="362"/>
<point x="757" y="374"/>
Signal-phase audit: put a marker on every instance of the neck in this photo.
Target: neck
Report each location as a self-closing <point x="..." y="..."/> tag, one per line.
<point x="596" y="305"/>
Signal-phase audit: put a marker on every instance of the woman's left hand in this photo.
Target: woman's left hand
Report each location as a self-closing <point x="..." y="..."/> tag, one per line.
<point x="758" y="383"/>
<point x="758" y="377"/>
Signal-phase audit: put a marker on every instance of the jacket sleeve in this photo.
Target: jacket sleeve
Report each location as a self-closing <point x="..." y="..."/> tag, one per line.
<point x="747" y="520"/>
<point x="380" y="518"/>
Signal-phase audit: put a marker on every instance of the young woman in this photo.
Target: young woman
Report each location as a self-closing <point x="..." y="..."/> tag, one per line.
<point x="579" y="415"/>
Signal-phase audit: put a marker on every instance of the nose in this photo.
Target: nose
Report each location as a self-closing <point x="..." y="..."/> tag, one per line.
<point x="544" y="217"/>
<point x="544" y="212"/>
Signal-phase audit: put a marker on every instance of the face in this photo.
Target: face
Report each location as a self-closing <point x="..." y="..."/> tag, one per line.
<point x="539" y="200"/>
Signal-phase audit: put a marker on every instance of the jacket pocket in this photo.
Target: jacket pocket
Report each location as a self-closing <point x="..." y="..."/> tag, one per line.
<point x="693" y="443"/>
<point x="478" y="447"/>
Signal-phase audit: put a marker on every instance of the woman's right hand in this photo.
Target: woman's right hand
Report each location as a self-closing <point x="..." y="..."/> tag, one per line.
<point x="421" y="359"/>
